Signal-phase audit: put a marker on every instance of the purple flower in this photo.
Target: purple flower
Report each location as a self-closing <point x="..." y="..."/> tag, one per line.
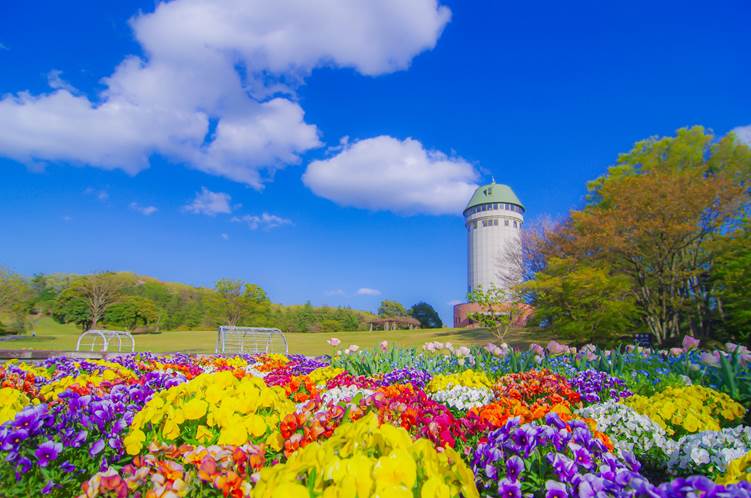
<point x="514" y="467"/>
<point x="96" y="448"/>
<point x="14" y="439"/>
<point x="68" y="467"/>
<point x="47" y="489"/>
<point x="509" y="489"/>
<point x="555" y="489"/>
<point x="47" y="452"/>
<point x="581" y="456"/>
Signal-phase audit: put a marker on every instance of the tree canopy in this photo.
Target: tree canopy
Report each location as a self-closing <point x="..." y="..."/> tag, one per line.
<point x="426" y="315"/>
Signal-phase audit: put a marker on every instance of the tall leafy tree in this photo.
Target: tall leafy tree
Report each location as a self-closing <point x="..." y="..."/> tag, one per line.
<point x="98" y="291"/>
<point x="652" y="218"/>
<point x="391" y="308"/>
<point x="15" y="298"/>
<point x="426" y="315"/>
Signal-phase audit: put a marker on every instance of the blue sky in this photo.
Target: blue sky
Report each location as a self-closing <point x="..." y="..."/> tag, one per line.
<point x="327" y="150"/>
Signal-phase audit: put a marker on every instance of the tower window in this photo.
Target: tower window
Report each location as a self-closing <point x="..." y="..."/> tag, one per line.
<point x="514" y="223"/>
<point x="505" y="222"/>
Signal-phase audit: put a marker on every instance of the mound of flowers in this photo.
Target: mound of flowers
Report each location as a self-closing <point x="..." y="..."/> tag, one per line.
<point x="686" y="410"/>
<point x="217" y="408"/>
<point x="368" y="459"/>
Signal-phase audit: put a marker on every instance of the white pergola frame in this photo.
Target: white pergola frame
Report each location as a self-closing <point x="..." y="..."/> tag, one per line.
<point x="232" y="339"/>
<point x="107" y="337"/>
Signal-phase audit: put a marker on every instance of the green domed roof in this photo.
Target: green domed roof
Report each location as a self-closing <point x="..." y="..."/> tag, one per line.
<point x="493" y="192"/>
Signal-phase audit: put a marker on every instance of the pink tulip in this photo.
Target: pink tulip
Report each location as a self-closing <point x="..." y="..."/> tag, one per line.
<point x="690" y="343"/>
<point x="384" y="346"/>
<point x="676" y="351"/>
<point x="353" y="348"/>
<point x="711" y="359"/>
<point x="462" y="351"/>
<point x="334" y="342"/>
<point x="556" y="348"/>
<point x="537" y="349"/>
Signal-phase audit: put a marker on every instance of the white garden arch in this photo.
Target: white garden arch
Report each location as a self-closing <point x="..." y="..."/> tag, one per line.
<point x="250" y="340"/>
<point x="101" y="340"/>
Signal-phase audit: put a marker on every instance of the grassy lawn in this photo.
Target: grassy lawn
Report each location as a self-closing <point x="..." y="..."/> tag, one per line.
<point x="54" y="336"/>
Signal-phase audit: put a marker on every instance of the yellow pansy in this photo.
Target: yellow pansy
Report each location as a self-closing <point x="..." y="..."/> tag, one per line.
<point x="195" y="409"/>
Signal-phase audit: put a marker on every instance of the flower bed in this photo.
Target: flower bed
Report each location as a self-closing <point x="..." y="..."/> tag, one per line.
<point x="436" y="422"/>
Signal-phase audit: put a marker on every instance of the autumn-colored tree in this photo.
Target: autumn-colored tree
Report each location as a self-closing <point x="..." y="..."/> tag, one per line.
<point x="651" y="218"/>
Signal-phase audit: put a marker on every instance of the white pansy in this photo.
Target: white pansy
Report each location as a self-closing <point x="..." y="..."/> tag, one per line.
<point x="463" y="397"/>
<point x="709" y="452"/>
<point x="631" y="431"/>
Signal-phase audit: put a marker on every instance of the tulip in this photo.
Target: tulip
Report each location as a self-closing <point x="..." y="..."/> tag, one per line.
<point x="690" y="343"/>
<point x="334" y="342"/>
<point x="384" y="346"/>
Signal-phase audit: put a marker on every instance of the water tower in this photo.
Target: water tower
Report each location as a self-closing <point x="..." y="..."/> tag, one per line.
<point x="493" y="219"/>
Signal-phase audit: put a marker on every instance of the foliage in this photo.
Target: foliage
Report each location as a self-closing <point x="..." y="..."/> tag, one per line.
<point x="583" y="303"/>
<point x="731" y="277"/>
<point x="389" y="308"/>
<point x="499" y="310"/>
<point x="426" y="315"/>
<point x="653" y="219"/>
<point x="15" y="294"/>
<point x="132" y="311"/>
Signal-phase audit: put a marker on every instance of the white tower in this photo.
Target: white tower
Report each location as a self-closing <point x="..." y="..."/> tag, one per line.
<point x="493" y="217"/>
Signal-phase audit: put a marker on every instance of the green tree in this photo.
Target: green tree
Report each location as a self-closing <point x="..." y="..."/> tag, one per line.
<point x="131" y="312"/>
<point x="241" y="302"/>
<point x="391" y="308"/>
<point x="426" y="315"/>
<point x="731" y="277"/>
<point x="16" y="297"/>
<point x="70" y="307"/>
<point x="98" y="291"/>
<point x="499" y="310"/>
<point x="583" y="303"/>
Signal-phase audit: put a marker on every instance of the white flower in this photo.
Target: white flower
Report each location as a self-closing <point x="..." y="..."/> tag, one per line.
<point x="462" y="397"/>
<point x="699" y="456"/>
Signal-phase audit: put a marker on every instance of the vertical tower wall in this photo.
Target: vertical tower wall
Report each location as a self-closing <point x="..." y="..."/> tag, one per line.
<point x="493" y="231"/>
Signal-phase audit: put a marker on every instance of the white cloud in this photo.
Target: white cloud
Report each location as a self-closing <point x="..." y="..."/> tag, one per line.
<point x="210" y="203"/>
<point x="144" y="210"/>
<point x="264" y="221"/>
<point x="225" y="236"/>
<point x="101" y="194"/>
<point x="366" y="291"/>
<point x="744" y="134"/>
<point x="387" y="174"/>
<point x="205" y="92"/>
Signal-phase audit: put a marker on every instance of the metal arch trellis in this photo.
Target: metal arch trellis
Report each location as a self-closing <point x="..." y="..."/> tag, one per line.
<point x="231" y="339"/>
<point x="90" y="338"/>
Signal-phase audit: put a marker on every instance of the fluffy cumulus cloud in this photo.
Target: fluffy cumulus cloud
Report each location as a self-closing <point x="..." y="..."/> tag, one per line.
<point x="744" y="134"/>
<point x="367" y="291"/>
<point x="214" y="88"/>
<point x="263" y="221"/>
<point x="384" y="173"/>
<point x="210" y="203"/>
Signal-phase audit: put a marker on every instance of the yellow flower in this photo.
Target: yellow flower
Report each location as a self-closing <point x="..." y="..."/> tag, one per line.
<point x="738" y="470"/>
<point x="12" y="401"/>
<point x="435" y="488"/>
<point x="204" y="434"/>
<point x="397" y="468"/>
<point x="195" y="409"/>
<point x="362" y="459"/>
<point x="234" y="434"/>
<point x="290" y="490"/>
<point x="134" y="442"/>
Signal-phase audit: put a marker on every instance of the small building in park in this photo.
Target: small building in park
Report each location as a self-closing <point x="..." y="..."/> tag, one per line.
<point x="394" y="323"/>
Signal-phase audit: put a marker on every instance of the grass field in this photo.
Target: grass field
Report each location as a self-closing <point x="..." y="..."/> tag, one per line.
<point x="54" y="336"/>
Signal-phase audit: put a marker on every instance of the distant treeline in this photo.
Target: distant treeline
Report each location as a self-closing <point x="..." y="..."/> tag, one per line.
<point x="144" y="304"/>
